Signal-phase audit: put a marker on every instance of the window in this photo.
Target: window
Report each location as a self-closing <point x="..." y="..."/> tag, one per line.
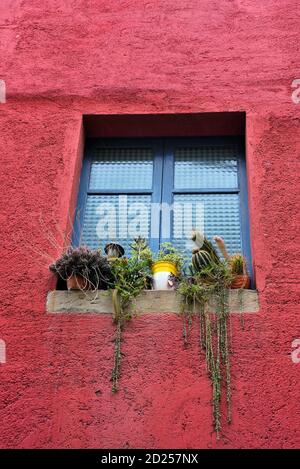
<point x="160" y="189"/>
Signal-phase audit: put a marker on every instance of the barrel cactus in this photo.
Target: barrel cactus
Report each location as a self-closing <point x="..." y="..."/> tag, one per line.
<point x="201" y="259"/>
<point x="205" y="254"/>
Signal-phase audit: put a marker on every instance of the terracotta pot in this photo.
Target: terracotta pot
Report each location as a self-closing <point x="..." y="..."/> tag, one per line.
<point x="76" y="282"/>
<point x="241" y="281"/>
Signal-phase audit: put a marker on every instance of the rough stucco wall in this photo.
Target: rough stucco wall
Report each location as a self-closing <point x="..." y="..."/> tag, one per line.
<point x="66" y="58"/>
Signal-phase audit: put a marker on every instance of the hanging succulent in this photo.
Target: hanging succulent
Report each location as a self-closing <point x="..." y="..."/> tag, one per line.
<point x="210" y="282"/>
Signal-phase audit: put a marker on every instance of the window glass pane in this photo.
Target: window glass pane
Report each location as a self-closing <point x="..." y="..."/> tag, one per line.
<point x="205" y="167"/>
<point x="121" y="168"/>
<point x="115" y="218"/>
<point x="214" y="214"/>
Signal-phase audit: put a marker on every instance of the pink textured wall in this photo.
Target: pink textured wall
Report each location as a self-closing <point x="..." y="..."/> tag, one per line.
<point x="62" y="59"/>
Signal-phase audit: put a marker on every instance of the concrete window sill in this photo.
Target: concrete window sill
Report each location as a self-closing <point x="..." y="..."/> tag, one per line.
<point x="148" y="302"/>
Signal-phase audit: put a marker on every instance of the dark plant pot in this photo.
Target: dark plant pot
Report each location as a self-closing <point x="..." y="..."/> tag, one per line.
<point x="114" y="250"/>
<point x="76" y="282"/>
<point x="240" y="281"/>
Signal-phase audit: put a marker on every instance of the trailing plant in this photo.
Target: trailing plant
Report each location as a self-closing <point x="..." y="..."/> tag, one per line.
<point x="86" y="263"/>
<point x="130" y="277"/>
<point x="210" y="284"/>
<point x="194" y="297"/>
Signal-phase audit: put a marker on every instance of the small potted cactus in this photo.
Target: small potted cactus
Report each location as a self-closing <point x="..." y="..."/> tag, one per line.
<point x="241" y="278"/>
<point x="237" y="264"/>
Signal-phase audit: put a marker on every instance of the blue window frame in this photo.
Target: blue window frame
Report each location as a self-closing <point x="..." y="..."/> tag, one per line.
<point x="125" y="181"/>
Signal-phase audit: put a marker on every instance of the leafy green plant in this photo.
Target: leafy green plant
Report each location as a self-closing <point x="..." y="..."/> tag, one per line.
<point x="130" y="277"/>
<point x="168" y="253"/>
<point x="141" y="252"/>
<point x="86" y="263"/>
<point x="216" y="274"/>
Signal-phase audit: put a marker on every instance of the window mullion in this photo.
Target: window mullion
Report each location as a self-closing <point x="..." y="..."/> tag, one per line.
<point x="167" y="192"/>
<point x="156" y="194"/>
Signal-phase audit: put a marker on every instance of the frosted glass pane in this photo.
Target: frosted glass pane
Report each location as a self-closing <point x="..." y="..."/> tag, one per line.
<point x="205" y="167"/>
<point x="116" y="218"/>
<point x="215" y="214"/>
<point x="121" y="168"/>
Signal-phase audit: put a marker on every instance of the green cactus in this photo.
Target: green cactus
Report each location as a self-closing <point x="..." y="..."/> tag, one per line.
<point x="205" y="254"/>
<point x="201" y="259"/>
<point x="238" y="264"/>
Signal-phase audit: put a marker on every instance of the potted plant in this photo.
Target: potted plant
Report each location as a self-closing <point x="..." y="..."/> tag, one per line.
<point x="208" y="283"/>
<point x="83" y="269"/>
<point x="130" y="277"/>
<point x="204" y="254"/>
<point x="114" y="250"/>
<point x="168" y="264"/>
<point x="238" y="268"/>
<point x="237" y="264"/>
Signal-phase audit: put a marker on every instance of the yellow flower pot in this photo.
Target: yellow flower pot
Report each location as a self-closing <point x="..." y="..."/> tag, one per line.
<point x="161" y="271"/>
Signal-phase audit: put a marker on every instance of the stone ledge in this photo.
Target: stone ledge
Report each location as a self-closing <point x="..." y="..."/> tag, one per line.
<point x="149" y="301"/>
